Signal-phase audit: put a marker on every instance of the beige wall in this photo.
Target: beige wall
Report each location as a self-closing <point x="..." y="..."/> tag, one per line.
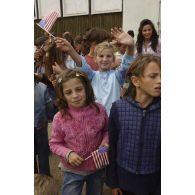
<point x="136" y="10"/>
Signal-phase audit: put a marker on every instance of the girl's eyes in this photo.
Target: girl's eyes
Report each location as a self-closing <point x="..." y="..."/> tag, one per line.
<point x="145" y="30"/>
<point x="108" y="56"/>
<point x="153" y="76"/>
<point x="77" y="90"/>
<point x="67" y="92"/>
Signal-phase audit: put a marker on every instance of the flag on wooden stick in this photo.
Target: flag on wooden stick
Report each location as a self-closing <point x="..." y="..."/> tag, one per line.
<point x="100" y="157"/>
<point x="48" y="21"/>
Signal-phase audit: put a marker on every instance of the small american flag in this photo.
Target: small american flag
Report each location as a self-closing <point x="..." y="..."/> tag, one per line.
<point x="100" y="157"/>
<point x="48" y="21"/>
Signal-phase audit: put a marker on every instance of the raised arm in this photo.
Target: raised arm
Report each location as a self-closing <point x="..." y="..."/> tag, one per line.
<point x="124" y="38"/>
<point x="65" y="46"/>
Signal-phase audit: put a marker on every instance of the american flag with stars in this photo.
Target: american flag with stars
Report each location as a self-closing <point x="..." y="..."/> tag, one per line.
<point x="48" y="21"/>
<point x="100" y="157"/>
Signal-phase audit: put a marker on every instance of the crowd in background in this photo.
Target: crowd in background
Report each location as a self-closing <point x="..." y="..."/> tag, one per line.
<point x="99" y="89"/>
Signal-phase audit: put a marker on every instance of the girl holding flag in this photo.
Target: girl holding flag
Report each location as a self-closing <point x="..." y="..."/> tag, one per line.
<point x="78" y="129"/>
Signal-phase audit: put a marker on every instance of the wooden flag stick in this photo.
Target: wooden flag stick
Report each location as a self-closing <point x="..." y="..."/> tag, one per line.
<point x="46" y="31"/>
<point x="88" y="157"/>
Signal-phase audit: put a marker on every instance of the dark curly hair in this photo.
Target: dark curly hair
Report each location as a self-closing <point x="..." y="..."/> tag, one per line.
<point x="67" y="75"/>
<point x="140" y="38"/>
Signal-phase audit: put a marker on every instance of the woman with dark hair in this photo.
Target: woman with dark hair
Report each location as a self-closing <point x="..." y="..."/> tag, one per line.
<point x="147" y="39"/>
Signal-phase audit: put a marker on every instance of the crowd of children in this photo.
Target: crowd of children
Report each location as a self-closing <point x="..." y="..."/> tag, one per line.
<point x="78" y="86"/>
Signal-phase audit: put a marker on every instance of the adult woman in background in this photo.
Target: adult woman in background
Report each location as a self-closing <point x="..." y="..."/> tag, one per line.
<point x="147" y="39"/>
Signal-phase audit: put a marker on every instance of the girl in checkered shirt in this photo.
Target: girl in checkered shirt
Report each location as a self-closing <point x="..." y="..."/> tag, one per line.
<point x="134" y="132"/>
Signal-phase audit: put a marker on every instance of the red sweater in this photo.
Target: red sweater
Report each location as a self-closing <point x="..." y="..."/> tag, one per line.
<point x="83" y="133"/>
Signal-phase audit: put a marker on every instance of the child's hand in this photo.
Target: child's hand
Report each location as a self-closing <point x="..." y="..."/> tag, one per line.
<point x="63" y="44"/>
<point x="104" y="145"/>
<point x="122" y="37"/>
<point x="38" y="54"/>
<point x="52" y="79"/>
<point x="74" y="159"/>
<point x="116" y="191"/>
<point x="56" y="68"/>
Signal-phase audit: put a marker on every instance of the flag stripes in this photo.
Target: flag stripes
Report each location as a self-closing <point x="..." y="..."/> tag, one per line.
<point x="100" y="158"/>
<point x="48" y="21"/>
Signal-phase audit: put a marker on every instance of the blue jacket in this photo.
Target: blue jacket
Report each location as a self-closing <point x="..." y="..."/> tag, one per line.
<point x="134" y="138"/>
<point x="43" y="105"/>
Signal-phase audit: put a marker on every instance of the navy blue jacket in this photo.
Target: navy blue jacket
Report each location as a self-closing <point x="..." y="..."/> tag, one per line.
<point x="134" y="138"/>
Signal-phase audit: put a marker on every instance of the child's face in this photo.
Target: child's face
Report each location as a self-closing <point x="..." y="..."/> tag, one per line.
<point x="74" y="93"/>
<point x="147" y="32"/>
<point x="150" y="82"/>
<point x="104" y="59"/>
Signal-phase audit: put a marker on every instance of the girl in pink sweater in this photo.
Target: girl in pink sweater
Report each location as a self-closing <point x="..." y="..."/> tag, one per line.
<point x="79" y="128"/>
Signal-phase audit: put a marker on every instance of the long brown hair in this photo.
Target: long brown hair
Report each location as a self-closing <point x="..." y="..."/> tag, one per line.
<point x="52" y="55"/>
<point x="140" y="38"/>
<point x="137" y="68"/>
<point x="64" y="77"/>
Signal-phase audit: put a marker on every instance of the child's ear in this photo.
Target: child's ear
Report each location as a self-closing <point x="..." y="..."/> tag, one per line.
<point x="135" y="81"/>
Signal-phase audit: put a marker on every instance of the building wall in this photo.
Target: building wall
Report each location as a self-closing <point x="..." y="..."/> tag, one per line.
<point x="135" y="11"/>
<point x="78" y="24"/>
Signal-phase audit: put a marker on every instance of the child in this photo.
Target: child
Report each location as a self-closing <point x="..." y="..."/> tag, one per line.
<point x="45" y="185"/>
<point x="78" y="42"/>
<point x="43" y="112"/>
<point x="134" y="132"/>
<point x="93" y="37"/>
<point x="105" y="82"/>
<point x="39" y="55"/>
<point x="68" y="61"/>
<point x="147" y="39"/>
<point x="77" y="130"/>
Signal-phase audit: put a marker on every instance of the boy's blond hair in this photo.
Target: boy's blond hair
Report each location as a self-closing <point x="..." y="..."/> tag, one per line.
<point x="45" y="185"/>
<point x="104" y="45"/>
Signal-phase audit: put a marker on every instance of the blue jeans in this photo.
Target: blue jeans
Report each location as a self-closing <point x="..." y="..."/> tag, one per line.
<point x="73" y="183"/>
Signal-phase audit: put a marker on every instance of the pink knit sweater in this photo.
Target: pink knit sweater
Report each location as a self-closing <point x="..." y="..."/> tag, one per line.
<point x="83" y="133"/>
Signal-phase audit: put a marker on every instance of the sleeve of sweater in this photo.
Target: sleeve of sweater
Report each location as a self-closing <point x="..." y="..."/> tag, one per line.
<point x="111" y="170"/>
<point x="56" y="142"/>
